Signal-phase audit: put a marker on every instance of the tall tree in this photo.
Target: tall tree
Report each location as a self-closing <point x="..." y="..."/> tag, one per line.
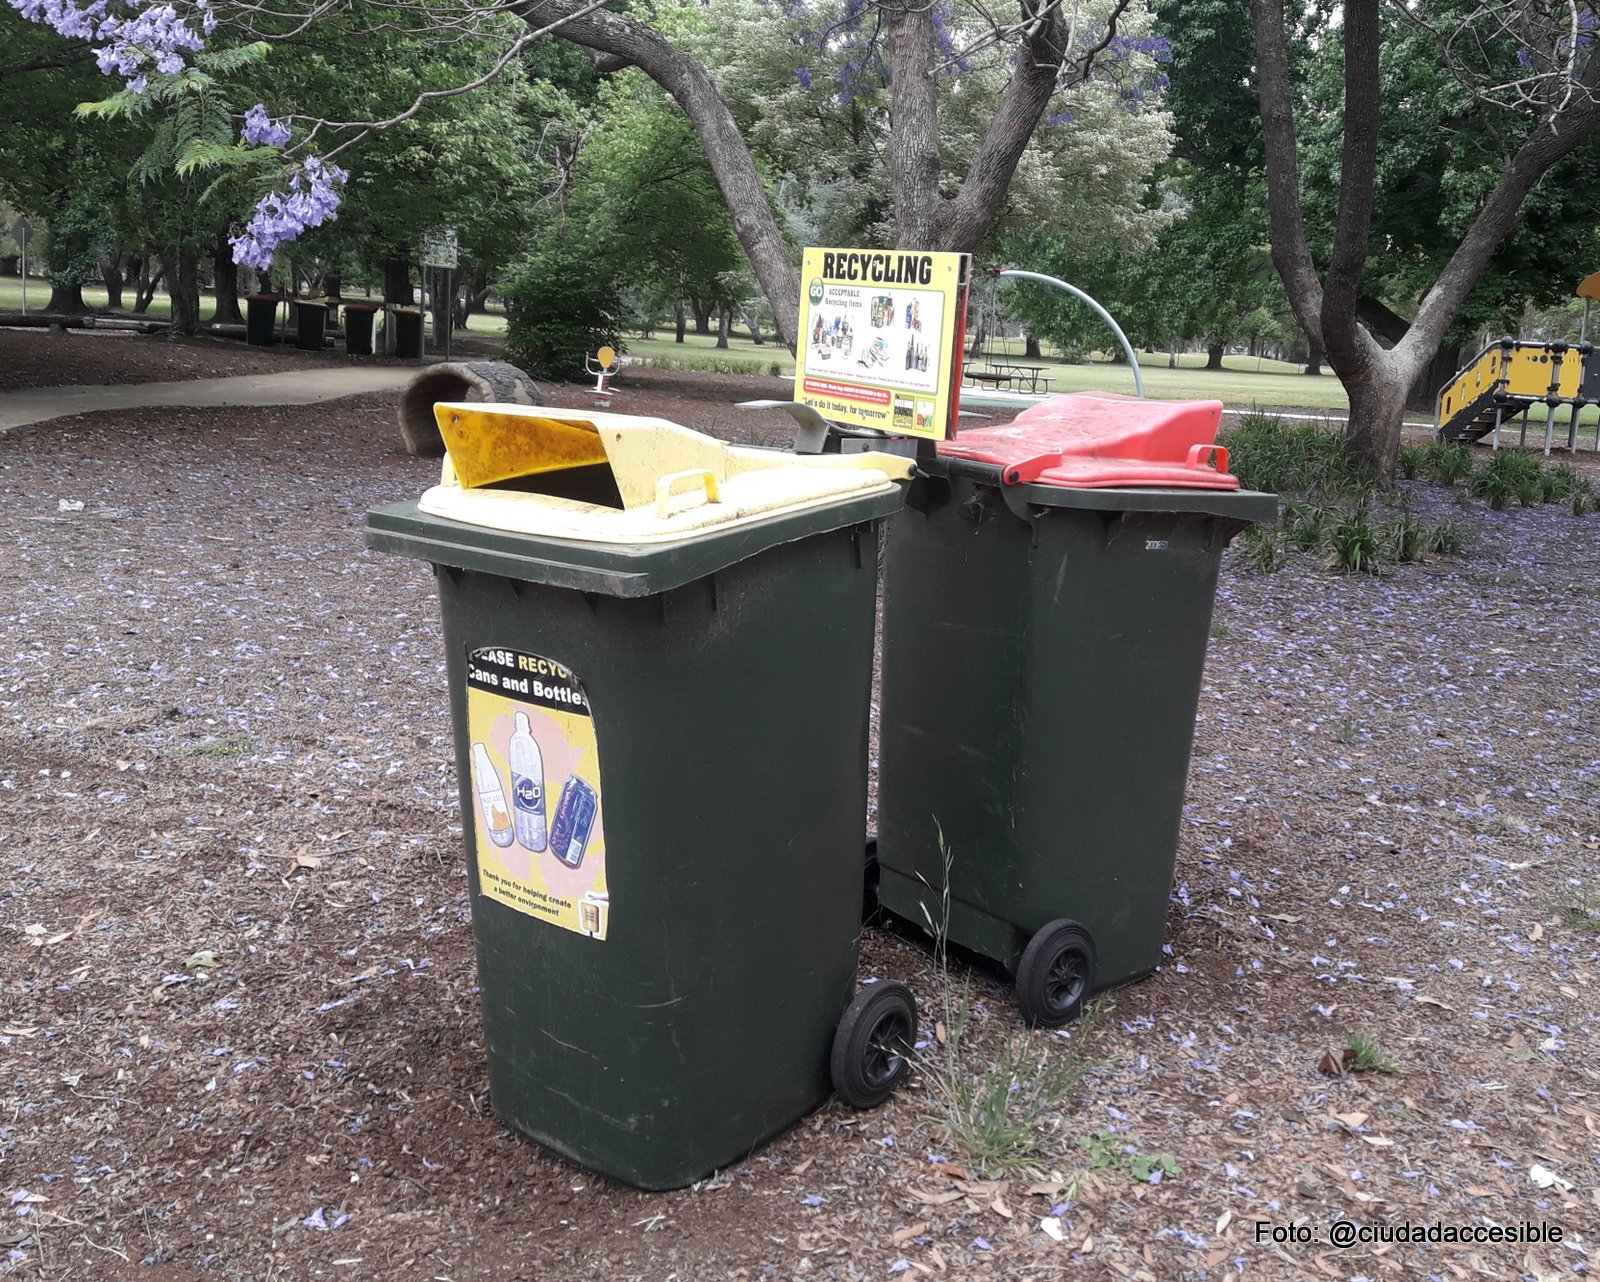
<point x="1553" y="108"/>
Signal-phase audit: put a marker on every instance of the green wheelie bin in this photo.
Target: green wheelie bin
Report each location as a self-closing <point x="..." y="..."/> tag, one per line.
<point x="1046" y="609"/>
<point x="659" y="654"/>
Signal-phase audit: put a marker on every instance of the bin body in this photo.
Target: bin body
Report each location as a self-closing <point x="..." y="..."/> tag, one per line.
<point x="311" y="325"/>
<point x="261" y="320"/>
<point x="407" y="323"/>
<point x="1043" y="651"/>
<point x="358" y="329"/>
<point x="730" y="723"/>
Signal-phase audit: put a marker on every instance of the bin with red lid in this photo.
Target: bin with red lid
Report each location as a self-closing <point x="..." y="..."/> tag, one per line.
<point x="1047" y="603"/>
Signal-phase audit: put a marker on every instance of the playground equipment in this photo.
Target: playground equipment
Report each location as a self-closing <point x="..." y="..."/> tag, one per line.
<point x="1509" y="377"/>
<point x="603" y="365"/>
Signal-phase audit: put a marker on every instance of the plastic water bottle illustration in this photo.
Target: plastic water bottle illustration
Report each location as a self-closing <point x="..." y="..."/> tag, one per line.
<point x="527" y="786"/>
<point x="491" y="797"/>
<point x="575" y="816"/>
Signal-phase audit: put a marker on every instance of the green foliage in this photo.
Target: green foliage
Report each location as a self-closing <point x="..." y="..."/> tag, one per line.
<point x="999" y="1103"/>
<point x="1352" y="542"/>
<point x="1446" y="538"/>
<point x="1583" y="501"/>
<point x="1368" y="1056"/>
<point x="1262" y="548"/>
<point x="1305" y="459"/>
<point x="1405" y="539"/>
<point x="1506" y="476"/>
<point x="1446" y="462"/>
<point x="1580" y="911"/>
<point x="1108" y="1151"/>
<point x="1413" y="459"/>
<point x="563" y="302"/>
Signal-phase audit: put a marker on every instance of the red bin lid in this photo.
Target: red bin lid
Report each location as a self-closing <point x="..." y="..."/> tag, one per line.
<point x="1099" y="440"/>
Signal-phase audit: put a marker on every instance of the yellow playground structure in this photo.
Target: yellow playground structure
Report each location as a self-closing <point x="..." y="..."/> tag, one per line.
<point x="1511" y="376"/>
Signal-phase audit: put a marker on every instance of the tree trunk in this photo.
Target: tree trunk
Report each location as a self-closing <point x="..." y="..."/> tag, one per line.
<point x="1214" y="355"/>
<point x="1314" y="359"/>
<point x="1377" y="408"/>
<point x="1172" y="354"/>
<point x="181" y="266"/>
<point x="979" y="332"/>
<point x="397" y="282"/>
<point x="150" y="274"/>
<point x="754" y="323"/>
<point x="1030" y="348"/>
<point x="227" y="283"/>
<point x="680" y="319"/>
<point x="724" y="326"/>
<point x="702" y="316"/>
<point x="115" y="281"/>
<point x="66" y="300"/>
<point x="1438" y="371"/>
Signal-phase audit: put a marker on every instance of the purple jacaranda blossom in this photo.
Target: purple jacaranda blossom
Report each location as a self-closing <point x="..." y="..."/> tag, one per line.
<point x="260" y="130"/>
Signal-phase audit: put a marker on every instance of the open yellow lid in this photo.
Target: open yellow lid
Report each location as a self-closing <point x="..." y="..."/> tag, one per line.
<point x="620" y="478"/>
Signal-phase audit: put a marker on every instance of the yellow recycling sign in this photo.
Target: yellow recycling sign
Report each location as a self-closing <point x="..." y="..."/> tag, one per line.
<point x="880" y="338"/>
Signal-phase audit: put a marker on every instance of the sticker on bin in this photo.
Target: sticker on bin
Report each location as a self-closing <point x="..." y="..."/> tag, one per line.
<point x="621" y="478"/>
<point x="1099" y="440"/>
<point x="536" y="790"/>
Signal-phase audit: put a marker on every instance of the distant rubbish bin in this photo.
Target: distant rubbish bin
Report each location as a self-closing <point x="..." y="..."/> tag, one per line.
<point x="358" y="318"/>
<point x="659" y="654"/>
<point x="1047" y="606"/>
<point x="261" y="319"/>
<point x="407" y="322"/>
<point x="311" y="324"/>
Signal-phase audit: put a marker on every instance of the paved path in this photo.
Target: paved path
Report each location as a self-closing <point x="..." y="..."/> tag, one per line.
<point x="294" y="387"/>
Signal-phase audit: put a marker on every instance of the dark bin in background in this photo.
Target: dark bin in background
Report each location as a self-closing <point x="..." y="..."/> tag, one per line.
<point x="407" y="322"/>
<point x="311" y="325"/>
<point x="1047" y="606"/>
<point x="719" y="683"/>
<point x="358" y="318"/>
<point x="261" y="319"/>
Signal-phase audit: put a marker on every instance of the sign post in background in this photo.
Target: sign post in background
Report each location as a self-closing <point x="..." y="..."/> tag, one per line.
<point x="19" y="233"/>
<point x="880" y="338"/>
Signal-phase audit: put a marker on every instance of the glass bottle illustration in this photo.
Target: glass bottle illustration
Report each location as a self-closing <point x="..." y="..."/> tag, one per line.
<point x="527" y="786"/>
<point x="491" y="797"/>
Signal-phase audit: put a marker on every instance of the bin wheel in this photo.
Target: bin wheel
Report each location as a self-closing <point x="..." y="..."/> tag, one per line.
<point x="1055" y="974"/>
<point x="872" y="1045"/>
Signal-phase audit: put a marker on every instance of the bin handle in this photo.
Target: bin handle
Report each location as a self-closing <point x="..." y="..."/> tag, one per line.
<point x="673" y="482"/>
<point x="1198" y="456"/>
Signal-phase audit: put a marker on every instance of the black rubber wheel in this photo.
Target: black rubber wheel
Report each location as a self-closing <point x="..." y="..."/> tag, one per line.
<point x="1056" y="974"/>
<point x="872" y="1045"/>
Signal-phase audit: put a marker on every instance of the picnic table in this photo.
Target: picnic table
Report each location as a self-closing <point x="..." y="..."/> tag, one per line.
<point x="997" y="377"/>
<point x="1025" y="375"/>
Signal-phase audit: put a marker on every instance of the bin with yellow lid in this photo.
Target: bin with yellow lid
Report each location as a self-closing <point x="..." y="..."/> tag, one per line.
<point x="659" y="653"/>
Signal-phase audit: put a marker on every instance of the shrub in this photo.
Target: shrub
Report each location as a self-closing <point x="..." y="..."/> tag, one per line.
<point x="1413" y="458"/>
<point x="1353" y="546"/>
<point x="562" y="302"/>
<point x="1405" y="539"/>
<point x="1261" y="548"/>
<point x="1447" y="462"/>
<point x="1508" y="476"/>
<point x="1446" y="538"/>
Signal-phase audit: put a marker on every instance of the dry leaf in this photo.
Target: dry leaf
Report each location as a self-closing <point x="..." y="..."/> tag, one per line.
<point x="1223" y="1220"/>
<point x="307" y="861"/>
<point x="1431" y="1001"/>
<point x="940" y="1033"/>
<point x="800" y="1168"/>
<point x="936" y="1257"/>
<point x="1087" y="1245"/>
<point x="1052" y="1189"/>
<point x="1353" y="1120"/>
<point x="1377" y="1141"/>
<point x="1052" y="1228"/>
<point x="1537" y="933"/>
<point x="999" y="1207"/>
<point x="906" y="1234"/>
<point x="1218" y="1256"/>
<point x="931" y="1198"/>
<point x="1331" y="1065"/>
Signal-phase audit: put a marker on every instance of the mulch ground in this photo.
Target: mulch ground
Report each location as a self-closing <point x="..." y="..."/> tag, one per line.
<point x="239" y="1033"/>
<point x="95" y="357"/>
